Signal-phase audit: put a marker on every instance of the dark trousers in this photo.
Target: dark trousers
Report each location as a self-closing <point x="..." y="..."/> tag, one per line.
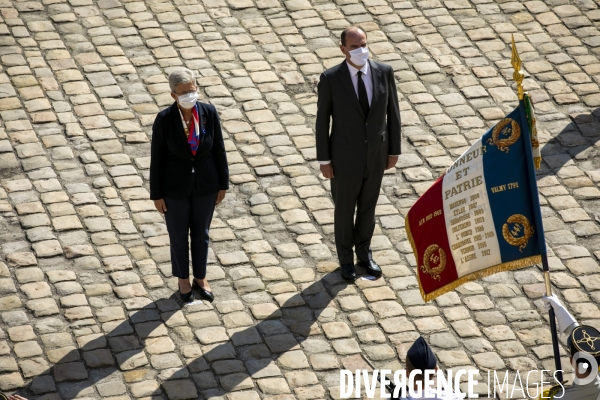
<point x="189" y="216"/>
<point x="352" y="193"/>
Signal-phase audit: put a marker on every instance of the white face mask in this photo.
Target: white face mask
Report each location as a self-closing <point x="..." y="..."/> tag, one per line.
<point x="188" y="100"/>
<point x="359" y="56"/>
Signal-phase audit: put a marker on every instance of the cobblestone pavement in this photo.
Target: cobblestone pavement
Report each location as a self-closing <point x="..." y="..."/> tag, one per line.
<point x="87" y="306"/>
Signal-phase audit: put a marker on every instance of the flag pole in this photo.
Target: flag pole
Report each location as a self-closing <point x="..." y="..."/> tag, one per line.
<point x="518" y="76"/>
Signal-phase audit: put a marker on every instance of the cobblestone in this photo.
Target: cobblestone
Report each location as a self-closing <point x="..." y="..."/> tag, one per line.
<point x="87" y="258"/>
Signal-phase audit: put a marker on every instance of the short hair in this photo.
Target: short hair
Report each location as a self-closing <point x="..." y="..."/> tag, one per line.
<point x="348" y="29"/>
<point x="179" y="77"/>
<point x="410" y="367"/>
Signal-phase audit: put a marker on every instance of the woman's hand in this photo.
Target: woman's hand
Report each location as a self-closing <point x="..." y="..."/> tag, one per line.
<point x="220" y="196"/>
<point x="16" y="397"/>
<point x="161" y="206"/>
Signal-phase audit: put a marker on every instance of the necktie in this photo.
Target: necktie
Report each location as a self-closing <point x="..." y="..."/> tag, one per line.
<point x="363" y="100"/>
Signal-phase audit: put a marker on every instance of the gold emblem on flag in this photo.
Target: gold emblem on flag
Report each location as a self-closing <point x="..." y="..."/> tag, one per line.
<point x="505" y="133"/>
<point x="434" y="261"/>
<point x="519" y="234"/>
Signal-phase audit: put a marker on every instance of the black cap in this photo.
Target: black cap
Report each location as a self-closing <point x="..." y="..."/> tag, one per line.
<point x="586" y="339"/>
<point x="421" y="356"/>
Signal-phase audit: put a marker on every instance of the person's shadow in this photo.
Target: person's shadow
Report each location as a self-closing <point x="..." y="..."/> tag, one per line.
<point x="247" y="353"/>
<point x="250" y="351"/>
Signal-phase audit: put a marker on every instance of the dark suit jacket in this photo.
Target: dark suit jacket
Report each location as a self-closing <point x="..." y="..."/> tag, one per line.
<point x="171" y="159"/>
<point x="357" y="142"/>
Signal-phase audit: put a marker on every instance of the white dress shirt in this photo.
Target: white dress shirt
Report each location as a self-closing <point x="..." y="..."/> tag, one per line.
<point x="366" y="77"/>
<point x="368" y="81"/>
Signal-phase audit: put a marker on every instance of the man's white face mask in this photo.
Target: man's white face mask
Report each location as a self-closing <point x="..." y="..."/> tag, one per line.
<point x="359" y="56"/>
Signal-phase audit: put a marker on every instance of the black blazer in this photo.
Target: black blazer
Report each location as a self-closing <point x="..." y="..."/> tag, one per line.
<point x="171" y="158"/>
<point x="357" y="142"/>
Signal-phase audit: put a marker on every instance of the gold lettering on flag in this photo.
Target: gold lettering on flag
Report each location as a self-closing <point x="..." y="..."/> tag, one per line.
<point x="463" y="186"/>
<point x="436" y="213"/>
<point x="502" y="188"/>
<point x="468" y="157"/>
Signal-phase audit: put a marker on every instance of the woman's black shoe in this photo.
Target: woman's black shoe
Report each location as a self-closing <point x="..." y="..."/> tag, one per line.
<point x="205" y="294"/>
<point x="187" y="297"/>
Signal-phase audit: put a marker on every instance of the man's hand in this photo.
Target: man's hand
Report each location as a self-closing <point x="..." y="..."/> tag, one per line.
<point x="327" y="170"/>
<point x="392" y="160"/>
<point x="220" y="196"/>
<point x="160" y="205"/>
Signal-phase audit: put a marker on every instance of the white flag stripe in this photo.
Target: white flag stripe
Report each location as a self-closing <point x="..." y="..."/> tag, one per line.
<point x="469" y="221"/>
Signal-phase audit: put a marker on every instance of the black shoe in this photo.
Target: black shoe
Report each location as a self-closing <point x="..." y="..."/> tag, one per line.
<point x="371" y="267"/>
<point x="348" y="272"/>
<point x="205" y="294"/>
<point x="186" y="297"/>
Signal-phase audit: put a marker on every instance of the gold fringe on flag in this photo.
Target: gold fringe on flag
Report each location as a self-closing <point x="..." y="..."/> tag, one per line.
<point x="473" y="276"/>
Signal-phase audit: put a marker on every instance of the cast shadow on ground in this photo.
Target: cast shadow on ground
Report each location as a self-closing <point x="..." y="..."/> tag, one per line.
<point x="577" y="142"/>
<point x="251" y="350"/>
<point x="247" y="352"/>
<point x="573" y="156"/>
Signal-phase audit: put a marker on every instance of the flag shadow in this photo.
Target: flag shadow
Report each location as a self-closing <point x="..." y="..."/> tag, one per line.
<point x="573" y="155"/>
<point x="249" y="351"/>
<point x="579" y="140"/>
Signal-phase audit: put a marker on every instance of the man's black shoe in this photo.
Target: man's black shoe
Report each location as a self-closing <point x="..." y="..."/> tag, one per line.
<point x="371" y="267"/>
<point x="348" y="272"/>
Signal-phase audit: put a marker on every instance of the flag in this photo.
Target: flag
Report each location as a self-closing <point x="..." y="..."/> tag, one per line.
<point x="481" y="216"/>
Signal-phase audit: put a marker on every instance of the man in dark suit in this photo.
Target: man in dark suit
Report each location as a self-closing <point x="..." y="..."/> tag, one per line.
<point x="359" y="97"/>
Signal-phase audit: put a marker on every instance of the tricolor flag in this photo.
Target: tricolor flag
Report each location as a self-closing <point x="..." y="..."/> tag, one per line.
<point x="483" y="215"/>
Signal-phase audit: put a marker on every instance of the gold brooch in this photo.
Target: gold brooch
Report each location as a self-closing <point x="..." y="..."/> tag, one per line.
<point x="510" y="131"/>
<point x="434" y="261"/>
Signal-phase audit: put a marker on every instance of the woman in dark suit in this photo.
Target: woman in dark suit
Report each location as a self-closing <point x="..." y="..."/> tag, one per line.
<point x="188" y="178"/>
